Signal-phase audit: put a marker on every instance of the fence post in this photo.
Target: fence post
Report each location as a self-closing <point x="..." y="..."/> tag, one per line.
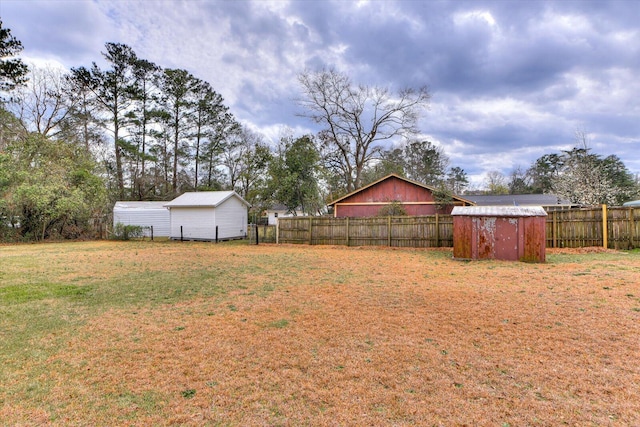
<point x="389" y="231"/>
<point x="347" y="231"/>
<point x="277" y="231"/>
<point x="605" y="231"/>
<point x="310" y="231"/>
<point x="437" y="231"/>
<point x="181" y="233"/>
<point x="152" y="233"/>
<point x="257" y="239"/>
<point x="632" y="228"/>
<point x="216" y="234"/>
<point x="554" y="231"/>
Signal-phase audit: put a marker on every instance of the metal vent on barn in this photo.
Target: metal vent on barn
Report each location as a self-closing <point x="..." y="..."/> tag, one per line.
<point x="499" y="232"/>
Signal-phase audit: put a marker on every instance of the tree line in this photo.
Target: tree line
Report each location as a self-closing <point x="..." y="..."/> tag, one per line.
<point x="156" y="131"/>
<point x="578" y="175"/>
<point x="73" y="142"/>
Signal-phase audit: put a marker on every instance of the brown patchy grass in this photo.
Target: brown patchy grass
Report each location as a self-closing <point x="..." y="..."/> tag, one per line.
<point x="299" y="335"/>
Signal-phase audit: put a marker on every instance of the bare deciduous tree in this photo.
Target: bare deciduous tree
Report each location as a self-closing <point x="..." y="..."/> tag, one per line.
<point x="496" y="183"/>
<point x="357" y="118"/>
<point x="245" y="160"/>
<point x="41" y="105"/>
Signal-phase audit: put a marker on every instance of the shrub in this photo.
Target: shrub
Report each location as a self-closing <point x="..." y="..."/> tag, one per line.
<point x="9" y="234"/>
<point x="127" y="232"/>
<point x="394" y="208"/>
<point x="442" y="197"/>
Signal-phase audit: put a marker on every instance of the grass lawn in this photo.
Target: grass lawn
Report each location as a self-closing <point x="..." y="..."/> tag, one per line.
<point x="169" y="333"/>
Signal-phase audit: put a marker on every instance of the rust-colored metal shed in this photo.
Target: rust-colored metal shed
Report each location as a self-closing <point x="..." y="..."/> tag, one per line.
<point x="499" y="232"/>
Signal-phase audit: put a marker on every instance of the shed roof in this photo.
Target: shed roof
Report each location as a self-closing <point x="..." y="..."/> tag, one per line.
<point x="633" y="203"/>
<point x="511" y="211"/>
<point x="207" y="199"/>
<point x="121" y="205"/>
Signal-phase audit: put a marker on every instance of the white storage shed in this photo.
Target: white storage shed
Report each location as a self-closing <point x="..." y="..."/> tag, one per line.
<point x="144" y="214"/>
<point x="208" y="215"/>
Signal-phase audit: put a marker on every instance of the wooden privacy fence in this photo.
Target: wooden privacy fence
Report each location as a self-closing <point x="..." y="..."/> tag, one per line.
<point x="564" y="229"/>
<point x="265" y="233"/>
<point x="614" y="228"/>
<point x="403" y="231"/>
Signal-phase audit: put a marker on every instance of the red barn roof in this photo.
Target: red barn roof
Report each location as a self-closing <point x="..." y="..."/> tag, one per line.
<point x="415" y="197"/>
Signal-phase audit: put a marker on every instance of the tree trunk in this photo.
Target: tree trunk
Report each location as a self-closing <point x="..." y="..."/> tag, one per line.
<point x="118" y="152"/>
<point x="176" y="139"/>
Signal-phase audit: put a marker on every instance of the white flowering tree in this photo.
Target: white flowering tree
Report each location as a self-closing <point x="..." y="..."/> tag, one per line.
<point x="589" y="179"/>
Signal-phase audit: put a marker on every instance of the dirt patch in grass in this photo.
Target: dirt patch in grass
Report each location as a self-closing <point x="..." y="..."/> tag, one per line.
<point x="345" y="336"/>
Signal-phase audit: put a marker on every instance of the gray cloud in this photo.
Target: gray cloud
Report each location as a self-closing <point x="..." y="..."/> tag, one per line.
<point x="510" y="80"/>
<point x="63" y="30"/>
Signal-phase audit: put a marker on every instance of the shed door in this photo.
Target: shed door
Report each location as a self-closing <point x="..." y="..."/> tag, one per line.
<point x="497" y="238"/>
<point x="507" y="239"/>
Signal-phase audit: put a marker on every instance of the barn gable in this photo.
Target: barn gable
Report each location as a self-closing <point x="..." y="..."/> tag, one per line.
<point x="416" y="199"/>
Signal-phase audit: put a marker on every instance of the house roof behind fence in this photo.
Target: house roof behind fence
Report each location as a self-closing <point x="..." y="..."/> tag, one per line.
<point x="519" y="200"/>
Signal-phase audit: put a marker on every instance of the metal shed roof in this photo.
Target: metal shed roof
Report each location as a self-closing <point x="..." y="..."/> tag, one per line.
<point x="203" y="199"/>
<point x="121" y="205"/>
<point x="511" y="211"/>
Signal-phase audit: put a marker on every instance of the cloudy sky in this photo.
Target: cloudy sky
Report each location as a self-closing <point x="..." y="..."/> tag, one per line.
<point x="510" y="80"/>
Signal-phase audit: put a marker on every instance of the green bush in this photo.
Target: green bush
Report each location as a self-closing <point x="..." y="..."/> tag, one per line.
<point x="394" y="208"/>
<point x="442" y="197"/>
<point x="9" y="234"/>
<point x="127" y="232"/>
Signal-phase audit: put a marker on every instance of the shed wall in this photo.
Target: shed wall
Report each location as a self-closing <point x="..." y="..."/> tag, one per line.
<point x="231" y="219"/>
<point x="196" y="223"/>
<point x="199" y="223"/>
<point x="534" y="231"/>
<point x="504" y="238"/>
<point x="463" y="237"/>
<point x="158" y="218"/>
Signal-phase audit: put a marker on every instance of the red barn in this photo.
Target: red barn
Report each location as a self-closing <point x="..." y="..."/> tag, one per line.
<point x="414" y="197"/>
